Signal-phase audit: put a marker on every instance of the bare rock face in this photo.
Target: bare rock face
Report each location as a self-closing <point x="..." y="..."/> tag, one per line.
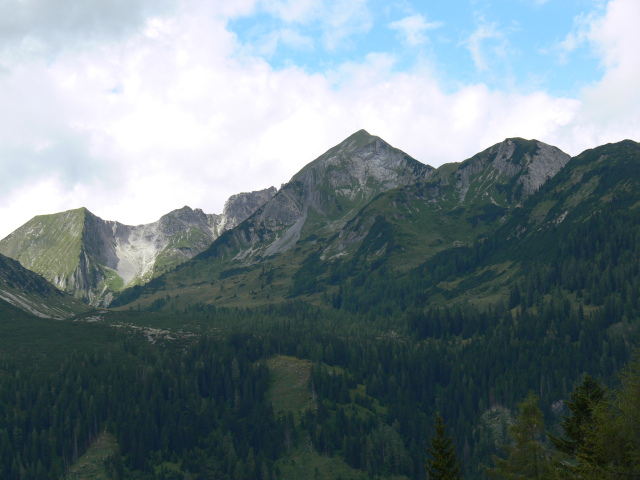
<point x="89" y="257"/>
<point x="239" y="207"/>
<point x="506" y="173"/>
<point x="547" y="161"/>
<point x="322" y="197"/>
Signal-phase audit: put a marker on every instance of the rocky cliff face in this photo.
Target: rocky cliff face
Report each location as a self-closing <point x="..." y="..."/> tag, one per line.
<point x="505" y="173"/>
<point x="457" y="203"/>
<point x="238" y="208"/>
<point x="322" y="197"/>
<point x="91" y="258"/>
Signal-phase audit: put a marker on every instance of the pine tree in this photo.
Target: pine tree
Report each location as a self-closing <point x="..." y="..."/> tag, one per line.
<point x="579" y="428"/>
<point x="617" y="434"/>
<point x="526" y="456"/>
<point x="444" y="464"/>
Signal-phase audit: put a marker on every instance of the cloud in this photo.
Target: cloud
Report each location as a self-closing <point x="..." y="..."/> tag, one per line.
<point x="41" y="27"/>
<point x="413" y="29"/>
<point x="477" y="44"/>
<point x="577" y="37"/>
<point x="294" y="11"/>
<point x="611" y="106"/>
<point x="178" y="111"/>
<point x="336" y="20"/>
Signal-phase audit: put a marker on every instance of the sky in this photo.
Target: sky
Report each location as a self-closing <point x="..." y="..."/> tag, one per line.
<point x="133" y="108"/>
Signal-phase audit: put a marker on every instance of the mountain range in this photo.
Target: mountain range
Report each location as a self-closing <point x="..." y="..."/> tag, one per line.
<point x="360" y="205"/>
<point x="91" y="258"/>
<point x="317" y="330"/>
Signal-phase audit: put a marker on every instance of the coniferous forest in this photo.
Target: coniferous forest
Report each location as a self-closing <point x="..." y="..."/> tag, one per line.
<point x="513" y="355"/>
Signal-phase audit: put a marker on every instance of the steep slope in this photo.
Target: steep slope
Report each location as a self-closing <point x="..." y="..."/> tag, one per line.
<point x="91" y="258"/>
<point x="600" y="181"/>
<point x="33" y="294"/>
<point x="359" y="206"/>
<point x="457" y="204"/>
<point x="321" y="198"/>
<point x="576" y="239"/>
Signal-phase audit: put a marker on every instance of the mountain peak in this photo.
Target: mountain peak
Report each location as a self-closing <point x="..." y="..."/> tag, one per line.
<point x="355" y="142"/>
<point x="322" y="197"/>
<point x="506" y="172"/>
<point x="359" y="157"/>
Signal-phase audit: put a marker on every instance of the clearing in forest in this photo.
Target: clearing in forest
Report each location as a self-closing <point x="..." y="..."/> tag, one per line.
<point x="91" y="465"/>
<point x="289" y="390"/>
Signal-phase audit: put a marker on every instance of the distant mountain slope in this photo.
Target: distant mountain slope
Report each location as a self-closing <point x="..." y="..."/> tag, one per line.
<point x="603" y="180"/>
<point x="33" y="294"/>
<point x="454" y="206"/>
<point x="576" y="239"/>
<point x="362" y="203"/>
<point x="321" y="198"/>
<point x="91" y="258"/>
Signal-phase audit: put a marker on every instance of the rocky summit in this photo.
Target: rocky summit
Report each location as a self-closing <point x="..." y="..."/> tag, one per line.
<point x="321" y="198"/>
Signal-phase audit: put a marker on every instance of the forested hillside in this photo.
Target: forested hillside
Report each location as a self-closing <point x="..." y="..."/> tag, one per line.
<point x="306" y="365"/>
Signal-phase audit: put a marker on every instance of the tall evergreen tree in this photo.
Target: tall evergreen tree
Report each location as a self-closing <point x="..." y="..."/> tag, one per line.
<point x="617" y="436"/>
<point x="579" y="446"/>
<point x="443" y="464"/>
<point x="526" y="456"/>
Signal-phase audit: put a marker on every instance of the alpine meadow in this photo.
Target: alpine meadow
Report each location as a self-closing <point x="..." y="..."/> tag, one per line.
<point x="373" y="318"/>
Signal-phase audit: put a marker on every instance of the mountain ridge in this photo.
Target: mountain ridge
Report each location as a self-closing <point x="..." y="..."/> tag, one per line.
<point x="396" y="211"/>
<point x="91" y="258"/>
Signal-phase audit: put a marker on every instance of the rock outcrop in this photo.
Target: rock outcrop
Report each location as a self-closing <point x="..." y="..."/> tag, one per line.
<point x="512" y="169"/>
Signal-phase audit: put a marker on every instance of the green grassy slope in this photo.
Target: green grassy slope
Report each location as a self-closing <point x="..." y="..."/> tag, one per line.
<point x="32" y="293"/>
<point x="49" y="245"/>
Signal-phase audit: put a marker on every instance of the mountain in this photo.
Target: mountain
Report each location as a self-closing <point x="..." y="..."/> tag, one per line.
<point x="574" y="239"/>
<point x="91" y="258"/>
<point x="457" y="204"/>
<point x="362" y="203"/>
<point x="33" y="294"/>
<point x="321" y="198"/>
<point x="454" y="291"/>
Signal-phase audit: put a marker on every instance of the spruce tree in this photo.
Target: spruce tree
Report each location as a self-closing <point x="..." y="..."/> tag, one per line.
<point x="443" y="464"/>
<point x="580" y="428"/>
<point x="526" y="456"/>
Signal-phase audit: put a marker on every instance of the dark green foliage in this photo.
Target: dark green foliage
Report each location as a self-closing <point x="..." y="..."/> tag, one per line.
<point x="615" y="443"/>
<point x="527" y="458"/>
<point x="231" y="272"/>
<point x="579" y="446"/>
<point x="443" y="463"/>
<point x="133" y="293"/>
<point x="306" y="280"/>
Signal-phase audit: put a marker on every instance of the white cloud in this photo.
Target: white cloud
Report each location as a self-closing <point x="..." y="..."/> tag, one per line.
<point x="299" y="11"/>
<point x="179" y="112"/>
<point x="610" y="107"/>
<point x="413" y="29"/>
<point x="577" y="37"/>
<point x="344" y="19"/>
<point x="337" y="20"/>
<point x="477" y="44"/>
